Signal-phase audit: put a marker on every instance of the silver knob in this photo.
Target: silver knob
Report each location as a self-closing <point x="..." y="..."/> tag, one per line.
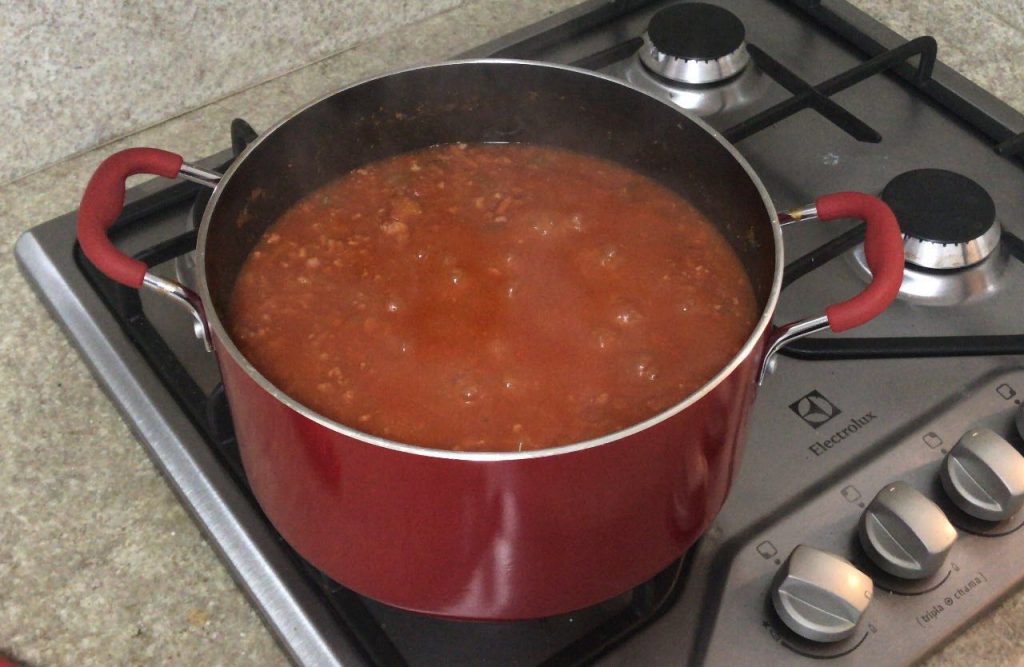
<point x="819" y="595"/>
<point x="904" y="533"/>
<point x="984" y="475"/>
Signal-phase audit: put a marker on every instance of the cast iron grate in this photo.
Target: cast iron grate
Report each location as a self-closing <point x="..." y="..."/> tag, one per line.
<point x="1004" y="140"/>
<point x="806" y="96"/>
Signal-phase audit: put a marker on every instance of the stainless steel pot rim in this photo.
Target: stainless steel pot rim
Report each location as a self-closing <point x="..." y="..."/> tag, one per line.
<point x="228" y="345"/>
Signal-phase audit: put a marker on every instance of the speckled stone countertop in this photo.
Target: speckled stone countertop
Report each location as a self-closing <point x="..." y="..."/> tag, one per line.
<point x="99" y="563"/>
<point x="77" y="73"/>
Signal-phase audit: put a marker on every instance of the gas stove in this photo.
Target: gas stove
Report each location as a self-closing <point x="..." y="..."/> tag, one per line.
<point x="877" y="509"/>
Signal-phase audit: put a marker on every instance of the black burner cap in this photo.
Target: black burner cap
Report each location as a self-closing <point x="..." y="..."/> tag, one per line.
<point x="940" y="206"/>
<point x="696" y="31"/>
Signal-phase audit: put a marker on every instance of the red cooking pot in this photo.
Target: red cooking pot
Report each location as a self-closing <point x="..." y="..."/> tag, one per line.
<point x="475" y="534"/>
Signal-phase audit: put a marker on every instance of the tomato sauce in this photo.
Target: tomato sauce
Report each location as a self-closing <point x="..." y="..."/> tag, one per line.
<point x="491" y="297"/>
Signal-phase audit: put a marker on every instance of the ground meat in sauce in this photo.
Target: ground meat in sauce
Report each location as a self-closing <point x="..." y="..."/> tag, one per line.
<point x="491" y="297"/>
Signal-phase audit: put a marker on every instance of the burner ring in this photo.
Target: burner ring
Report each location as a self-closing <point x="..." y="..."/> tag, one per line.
<point x="695" y="43"/>
<point x="928" y="287"/>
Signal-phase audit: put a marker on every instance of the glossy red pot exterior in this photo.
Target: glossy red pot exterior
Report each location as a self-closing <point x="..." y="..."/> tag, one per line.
<point x="487" y="535"/>
<point x="491" y="539"/>
<point x="499" y="535"/>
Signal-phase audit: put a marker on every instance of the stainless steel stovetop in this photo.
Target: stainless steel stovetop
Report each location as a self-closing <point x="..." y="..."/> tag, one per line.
<point x="837" y="420"/>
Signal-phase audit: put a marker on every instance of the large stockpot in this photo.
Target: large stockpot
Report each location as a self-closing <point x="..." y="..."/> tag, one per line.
<point x="469" y="534"/>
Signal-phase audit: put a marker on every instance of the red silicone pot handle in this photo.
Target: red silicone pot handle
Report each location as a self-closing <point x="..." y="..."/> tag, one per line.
<point x="883" y="249"/>
<point x="102" y="204"/>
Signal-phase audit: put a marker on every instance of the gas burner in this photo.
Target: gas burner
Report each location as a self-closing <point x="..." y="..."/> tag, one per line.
<point x="695" y="43"/>
<point x="948" y="220"/>
<point x="695" y="55"/>
<point x="950" y="237"/>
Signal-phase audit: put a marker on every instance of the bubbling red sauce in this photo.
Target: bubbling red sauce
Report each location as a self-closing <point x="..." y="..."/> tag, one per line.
<point x="491" y="297"/>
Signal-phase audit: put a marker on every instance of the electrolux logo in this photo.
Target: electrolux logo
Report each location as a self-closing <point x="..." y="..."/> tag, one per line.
<point x="815" y="409"/>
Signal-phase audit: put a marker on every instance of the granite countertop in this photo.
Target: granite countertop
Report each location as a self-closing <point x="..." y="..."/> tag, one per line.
<point x="100" y="564"/>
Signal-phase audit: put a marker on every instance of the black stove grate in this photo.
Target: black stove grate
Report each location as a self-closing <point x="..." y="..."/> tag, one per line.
<point x="1003" y="139"/>
<point x="806" y="96"/>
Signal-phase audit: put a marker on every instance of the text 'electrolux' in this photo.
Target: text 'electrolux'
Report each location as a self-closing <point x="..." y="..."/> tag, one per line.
<point x="852" y="427"/>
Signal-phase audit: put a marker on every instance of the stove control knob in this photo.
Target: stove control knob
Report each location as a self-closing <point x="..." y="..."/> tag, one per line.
<point x="820" y="596"/>
<point x="984" y="475"/>
<point x="904" y="533"/>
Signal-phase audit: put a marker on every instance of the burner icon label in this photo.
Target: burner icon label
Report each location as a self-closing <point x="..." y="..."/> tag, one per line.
<point x="766" y="549"/>
<point x="815" y="409"/>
